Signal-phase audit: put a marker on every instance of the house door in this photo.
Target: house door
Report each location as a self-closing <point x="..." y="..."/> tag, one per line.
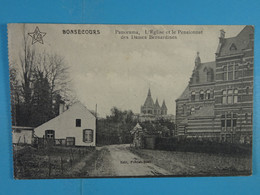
<point x="50" y="137"/>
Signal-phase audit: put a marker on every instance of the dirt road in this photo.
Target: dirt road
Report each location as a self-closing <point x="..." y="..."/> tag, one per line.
<point x="125" y="163"/>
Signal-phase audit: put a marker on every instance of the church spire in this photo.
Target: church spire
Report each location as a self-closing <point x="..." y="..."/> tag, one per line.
<point x="149" y="93"/>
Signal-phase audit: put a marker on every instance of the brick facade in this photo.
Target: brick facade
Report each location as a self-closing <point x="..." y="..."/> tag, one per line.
<point x="218" y="102"/>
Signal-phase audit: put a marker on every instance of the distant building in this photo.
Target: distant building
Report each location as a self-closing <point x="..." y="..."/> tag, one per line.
<point x="22" y="135"/>
<point x="151" y="111"/>
<point x="218" y="101"/>
<point x="152" y="108"/>
<point x="76" y="126"/>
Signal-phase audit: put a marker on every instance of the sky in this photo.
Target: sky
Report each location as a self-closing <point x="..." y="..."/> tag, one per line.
<point x="110" y="71"/>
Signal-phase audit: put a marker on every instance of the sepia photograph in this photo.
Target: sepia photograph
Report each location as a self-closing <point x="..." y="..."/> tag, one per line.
<point x="104" y="101"/>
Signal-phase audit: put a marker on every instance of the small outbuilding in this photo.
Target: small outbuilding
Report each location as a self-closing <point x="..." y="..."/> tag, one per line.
<point x="138" y="135"/>
<point x="22" y="135"/>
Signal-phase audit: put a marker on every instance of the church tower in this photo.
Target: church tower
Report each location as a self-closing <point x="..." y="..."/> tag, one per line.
<point x="148" y="107"/>
<point x="164" y="108"/>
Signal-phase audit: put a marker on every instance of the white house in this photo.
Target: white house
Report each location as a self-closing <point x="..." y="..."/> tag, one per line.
<point x="77" y="126"/>
<point x="22" y="135"/>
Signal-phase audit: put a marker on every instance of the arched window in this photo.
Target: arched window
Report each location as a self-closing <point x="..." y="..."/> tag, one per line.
<point x="233" y="47"/>
<point x="247" y="90"/>
<point x="193" y="96"/>
<point x="208" y="94"/>
<point x="229" y="96"/>
<point x="201" y="95"/>
<point x="192" y="110"/>
<point x="235" y="97"/>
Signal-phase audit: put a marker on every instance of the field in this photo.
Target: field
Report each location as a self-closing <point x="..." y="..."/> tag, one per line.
<point x="54" y="162"/>
<point x="198" y="164"/>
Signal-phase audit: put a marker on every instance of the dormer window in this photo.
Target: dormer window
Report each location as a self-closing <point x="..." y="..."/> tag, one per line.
<point x="193" y="96"/>
<point x="201" y="95"/>
<point x="233" y="47"/>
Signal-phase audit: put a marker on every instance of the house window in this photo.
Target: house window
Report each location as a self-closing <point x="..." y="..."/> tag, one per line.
<point x="233" y="47"/>
<point x="230" y="72"/>
<point x="193" y="96"/>
<point x="185" y="130"/>
<point x="229" y="96"/>
<point x="223" y="121"/>
<point x="235" y="97"/>
<point x="228" y="121"/>
<point x="246" y="117"/>
<point x="234" y="122"/>
<point x="224" y="97"/>
<point x="50" y="134"/>
<point x="88" y="135"/>
<point x="247" y="90"/>
<point x="208" y="94"/>
<point x="78" y="122"/>
<point x="236" y="72"/>
<point x="70" y="141"/>
<point x="192" y="110"/>
<point x="225" y="73"/>
<point x="184" y="108"/>
<point x="201" y="95"/>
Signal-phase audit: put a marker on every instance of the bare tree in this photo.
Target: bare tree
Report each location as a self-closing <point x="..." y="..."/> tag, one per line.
<point x="44" y="80"/>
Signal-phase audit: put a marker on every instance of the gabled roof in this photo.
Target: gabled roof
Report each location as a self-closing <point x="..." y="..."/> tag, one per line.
<point x="203" y="67"/>
<point x="77" y="105"/>
<point x="236" y="45"/>
<point x="185" y="94"/>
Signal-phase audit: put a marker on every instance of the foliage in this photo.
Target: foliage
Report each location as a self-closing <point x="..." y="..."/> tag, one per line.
<point x="39" y="81"/>
<point x="115" y="128"/>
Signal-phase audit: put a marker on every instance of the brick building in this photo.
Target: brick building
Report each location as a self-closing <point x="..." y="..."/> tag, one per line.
<point x="218" y="102"/>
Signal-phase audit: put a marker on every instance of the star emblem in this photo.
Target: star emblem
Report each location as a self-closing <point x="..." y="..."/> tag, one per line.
<point x="37" y="36"/>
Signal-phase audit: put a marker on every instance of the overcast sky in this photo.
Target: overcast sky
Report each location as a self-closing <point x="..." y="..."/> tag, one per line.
<point x="109" y="71"/>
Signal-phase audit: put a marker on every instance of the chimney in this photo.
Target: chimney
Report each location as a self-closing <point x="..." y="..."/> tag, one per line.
<point x="61" y="107"/>
<point x="222" y="35"/>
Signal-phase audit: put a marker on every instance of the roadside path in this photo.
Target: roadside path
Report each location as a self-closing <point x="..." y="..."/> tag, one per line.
<point x="125" y="163"/>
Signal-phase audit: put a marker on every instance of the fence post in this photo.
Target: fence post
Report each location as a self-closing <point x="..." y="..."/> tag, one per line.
<point x="61" y="165"/>
<point x="49" y="165"/>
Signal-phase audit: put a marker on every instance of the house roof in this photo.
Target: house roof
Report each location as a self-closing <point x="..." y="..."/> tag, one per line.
<point x="75" y="105"/>
<point x="185" y="94"/>
<point x="239" y="43"/>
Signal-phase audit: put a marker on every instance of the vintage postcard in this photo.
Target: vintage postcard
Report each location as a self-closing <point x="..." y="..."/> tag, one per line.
<point x="131" y="100"/>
